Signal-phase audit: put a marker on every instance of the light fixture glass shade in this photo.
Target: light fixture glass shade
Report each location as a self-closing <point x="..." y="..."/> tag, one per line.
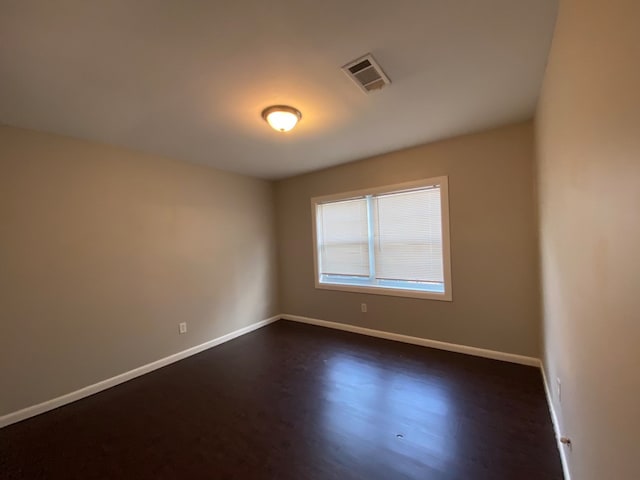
<point x="281" y="117"/>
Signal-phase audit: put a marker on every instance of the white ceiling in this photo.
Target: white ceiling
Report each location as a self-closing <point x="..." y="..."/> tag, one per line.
<point x="188" y="79"/>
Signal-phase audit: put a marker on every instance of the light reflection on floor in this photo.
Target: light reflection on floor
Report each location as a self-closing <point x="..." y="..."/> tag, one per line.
<point x="415" y="411"/>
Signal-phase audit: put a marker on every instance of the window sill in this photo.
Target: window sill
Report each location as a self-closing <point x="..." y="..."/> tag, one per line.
<point x="394" y="292"/>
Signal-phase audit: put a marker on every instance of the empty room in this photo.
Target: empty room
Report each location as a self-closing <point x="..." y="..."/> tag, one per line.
<point x="304" y="240"/>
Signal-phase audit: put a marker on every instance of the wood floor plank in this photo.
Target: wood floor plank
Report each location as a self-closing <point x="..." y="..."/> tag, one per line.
<point x="293" y="402"/>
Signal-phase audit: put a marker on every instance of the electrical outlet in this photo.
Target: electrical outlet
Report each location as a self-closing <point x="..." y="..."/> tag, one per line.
<point x="559" y="389"/>
<point x="363" y="307"/>
<point x="182" y="327"/>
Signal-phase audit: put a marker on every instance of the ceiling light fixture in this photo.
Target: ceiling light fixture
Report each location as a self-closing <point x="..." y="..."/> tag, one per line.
<point x="281" y="117"/>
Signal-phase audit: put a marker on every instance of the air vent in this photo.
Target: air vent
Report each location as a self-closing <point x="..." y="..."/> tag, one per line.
<point x="367" y="74"/>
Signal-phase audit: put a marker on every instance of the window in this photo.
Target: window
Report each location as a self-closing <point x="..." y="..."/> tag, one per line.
<point x="392" y="240"/>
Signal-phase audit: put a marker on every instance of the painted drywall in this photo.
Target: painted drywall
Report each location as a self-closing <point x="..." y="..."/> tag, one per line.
<point x="185" y="79"/>
<point x="493" y="243"/>
<point x="588" y="143"/>
<point x="104" y="251"/>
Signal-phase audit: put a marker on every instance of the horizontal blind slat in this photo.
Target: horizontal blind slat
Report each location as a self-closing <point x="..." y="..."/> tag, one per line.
<point x="408" y="236"/>
<point x="343" y="238"/>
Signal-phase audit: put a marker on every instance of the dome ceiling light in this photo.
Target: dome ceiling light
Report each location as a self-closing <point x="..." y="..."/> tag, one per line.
<point x="281" y="118"/>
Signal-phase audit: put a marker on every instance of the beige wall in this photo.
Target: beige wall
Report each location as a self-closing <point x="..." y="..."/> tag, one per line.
<point x="493" y="243"/>
<point x="103" y="251"/>
<point x="588" y="140"/>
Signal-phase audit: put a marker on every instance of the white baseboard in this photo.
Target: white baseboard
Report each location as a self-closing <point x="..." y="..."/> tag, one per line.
<point x="123" y="377"/>
<point x="451" y="347"/>
<point x="556" y="425"/>
<point x="118" y="379"/>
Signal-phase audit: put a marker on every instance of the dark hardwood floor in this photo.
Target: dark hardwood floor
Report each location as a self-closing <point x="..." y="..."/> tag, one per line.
<point x="297" y="402"/>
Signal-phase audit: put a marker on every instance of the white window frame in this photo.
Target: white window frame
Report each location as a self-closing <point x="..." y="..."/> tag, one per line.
<point x="443" y="183"/>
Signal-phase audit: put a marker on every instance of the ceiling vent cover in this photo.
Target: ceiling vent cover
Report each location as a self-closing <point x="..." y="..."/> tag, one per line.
<point x="366" y="73"/>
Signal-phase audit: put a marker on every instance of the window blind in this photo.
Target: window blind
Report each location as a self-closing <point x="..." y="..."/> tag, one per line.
<point x="408" y="236"/>
<point x="343" y="240"/>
